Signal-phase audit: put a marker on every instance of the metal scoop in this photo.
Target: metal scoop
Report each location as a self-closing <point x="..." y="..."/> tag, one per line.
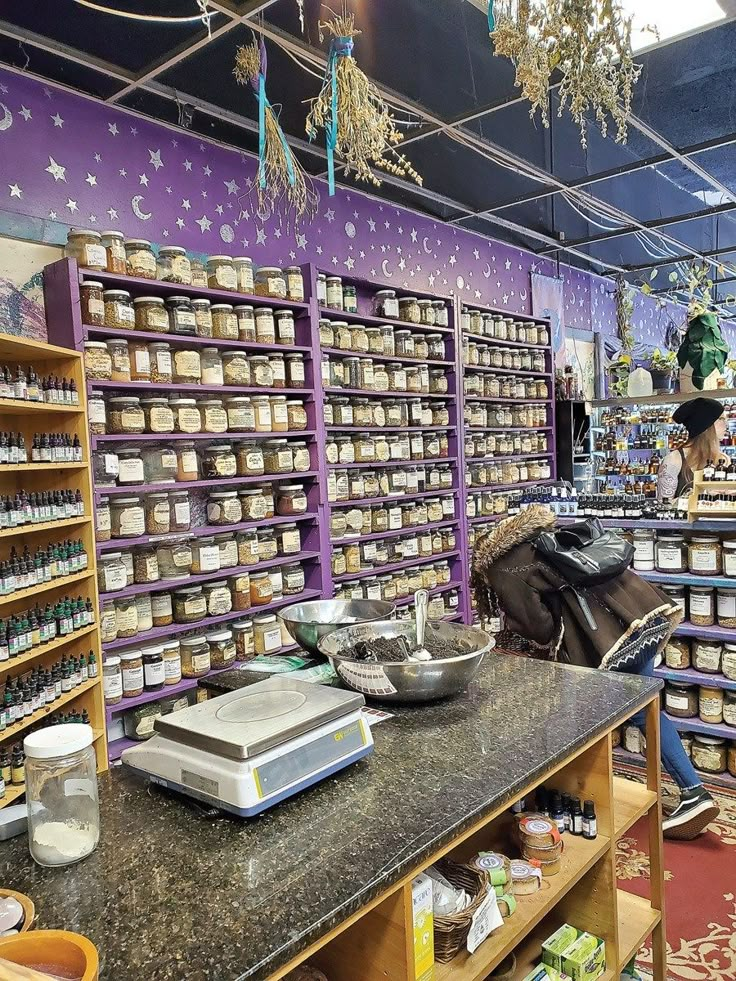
<point x="421" y="601"/>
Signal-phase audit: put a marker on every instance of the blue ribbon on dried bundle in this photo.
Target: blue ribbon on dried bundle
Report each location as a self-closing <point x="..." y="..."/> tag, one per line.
<point x="340" y="47"/>
<point x="258" y="84"/>
<point x="491" y="18"/>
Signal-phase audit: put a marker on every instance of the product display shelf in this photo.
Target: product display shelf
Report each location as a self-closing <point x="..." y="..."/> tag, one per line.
<point x="625" y="758"/>
<point x="365" y="291"/>
<point x="687" y="629"/>
<point x="29" y="418"/>
<point x="689" y="676"/>
<point x="61" y="286"/>
<point x="719" y="729"/>
<point x="667" y="399"/>
<point x="689" y="579"/>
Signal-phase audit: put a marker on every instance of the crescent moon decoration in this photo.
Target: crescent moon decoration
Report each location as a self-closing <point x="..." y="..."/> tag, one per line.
<point x="384" y="270"/>
<point x="7" y="121"/>
<point x="136" y="206"/>
<point x="487" y="271"/>
<point x="424" y="246"/>
<point x="523" y="295"/>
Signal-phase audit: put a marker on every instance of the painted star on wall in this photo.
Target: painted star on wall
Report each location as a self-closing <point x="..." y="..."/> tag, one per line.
<point x="204" y="223"/>
<point x="155" y="159"/>
<point x="15" y="191"/>
<point x="56" y="170"/>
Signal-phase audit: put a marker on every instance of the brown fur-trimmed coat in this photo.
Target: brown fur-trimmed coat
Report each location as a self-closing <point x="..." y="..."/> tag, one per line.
<point x="633" y="617"/>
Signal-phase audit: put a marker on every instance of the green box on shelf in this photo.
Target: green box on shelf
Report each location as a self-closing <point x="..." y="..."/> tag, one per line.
<point x="585" y="960"/>
<point x="555" y="946"/>
<point x="543" y="972"/>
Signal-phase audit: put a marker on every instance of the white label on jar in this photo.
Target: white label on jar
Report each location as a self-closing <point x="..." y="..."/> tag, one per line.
<point x="707" y="657"/>
<point x="161" y="513"/>
<point x="131" y="471"/>
<point x="669" y="557"/>
<point x="154" y="673"/>
<point x="112" y="685"/>
<point x="189" y="461"/>
<point x="95" y="255"/>
<point x="157" y="317"/>
<point x="130" y="420"/>
<point x="679" y="702"/>
<point x="296" y="373"/>
<point x="172" y="668"/>
<point x="182" y="513"/>
<point x="149" y="568"/>
<point x="369" y="551"/>
<point x="373" y="591"/>
<point x="209" y="558"/>
<point x="729" y="713"/>
<point x="225" y="277"/>
<point x="181" y="556"/>
<point x="703" y="559"/>
<point x="103" y="519"/>
<point x="331" y="486"/>
<point x="271" y="639"/>
<point x="187" y="363"/>
<point x="417" y="445"/>
<point x="113" y="578"/>
<point x="111" y="467"/>
<point x="184" y="318"/>
<point x="643" y="553"/>
<point x="448" y="507"/>
<point x="142" y="362"/>
<point x="263" y="415"/>
<point x="190" y="420"/>
<point x="726" y="605"/>
<point x="181" y="267"/>
<point x="410" y="548"/>
<point x="132" y="523"/>
<point x="290" y="541"/>
<point x="711" y="705"/>
<point x="126" y="619"/>
<point x="96" y="307"/>
<point x="201" y="662"/>
<point x="97" y="411"/>
<point x="284" y="459"/>
<point x="163" y="361"/>
<point x="168" y="460"/>
<point x="279" y="413"/>
<point x="255" y="507"/>
<point x="124" y="313"/>
<point x="729" y="561"/>
<point x="195" y="605"/>
<point x="161" y="605"/>
<point x="394" y="519"/>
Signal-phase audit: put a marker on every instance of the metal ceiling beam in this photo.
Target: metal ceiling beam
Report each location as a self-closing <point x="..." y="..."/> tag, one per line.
<point x="65" y="51"/>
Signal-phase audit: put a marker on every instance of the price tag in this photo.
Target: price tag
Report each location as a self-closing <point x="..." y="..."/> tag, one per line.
<point x="486" y="919"/>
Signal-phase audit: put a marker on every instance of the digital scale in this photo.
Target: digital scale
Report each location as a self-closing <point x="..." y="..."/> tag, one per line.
<point x="245" y="751"/>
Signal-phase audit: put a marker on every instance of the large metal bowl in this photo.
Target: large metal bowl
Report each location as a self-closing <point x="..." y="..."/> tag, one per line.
<point x="309" y="622"/>
<point x="408" y="681"/>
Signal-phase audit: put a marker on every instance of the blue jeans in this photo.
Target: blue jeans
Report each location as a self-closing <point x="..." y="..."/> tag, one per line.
<point x="675" y="759"/>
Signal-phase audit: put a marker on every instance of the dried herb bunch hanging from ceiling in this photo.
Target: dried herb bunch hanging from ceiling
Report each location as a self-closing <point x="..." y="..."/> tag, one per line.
<point x="358" y="124"/>
<point x="587" y="41"/>
<point x="281" y="182"/>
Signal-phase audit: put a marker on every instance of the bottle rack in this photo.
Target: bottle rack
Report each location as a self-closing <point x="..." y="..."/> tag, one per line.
<point x="28" y="418"/>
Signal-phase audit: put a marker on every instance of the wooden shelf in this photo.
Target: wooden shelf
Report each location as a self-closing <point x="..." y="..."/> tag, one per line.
<point x="40" y="714"/>
<point x="12" y="468"/>
<point x="44" y="526"/>
<point x="20" y="407"/>
<point x="579" y="856"/>
<point x="12" y="793"/>
<point x="32" y="591"/>
<point x="53" y="645"/>
<point x="636" y="920"/>
<point x="631" y="801"/>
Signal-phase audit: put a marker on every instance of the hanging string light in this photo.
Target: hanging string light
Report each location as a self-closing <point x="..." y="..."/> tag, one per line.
<point x="587" y="41"/>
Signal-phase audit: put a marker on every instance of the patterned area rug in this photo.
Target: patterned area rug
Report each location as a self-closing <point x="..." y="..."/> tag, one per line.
<point x="700" y="894"/>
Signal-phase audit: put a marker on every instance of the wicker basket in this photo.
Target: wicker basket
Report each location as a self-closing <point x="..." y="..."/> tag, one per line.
<point x="451" y="932"/>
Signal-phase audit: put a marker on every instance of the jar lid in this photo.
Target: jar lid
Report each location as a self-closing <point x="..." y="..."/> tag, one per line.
<point x="260" y="575"/>
<point x="210" y="402"/>
<point x="219" y="636"/>
<point x="113" y="661"/>
<point x="269" y="269"/>
<point x="386" y="293"/>
<point x="188" y="590"/>
<point x="158" y="494"/>
<point x="131" y="656"/>
<point x="703" y="589"/>
<point x="220" y="584"/>
<point x="53" y="742"/>
<point x="178" y="299"/>
<point x="138" y="241"/>
<point x="153" y="651"/>
<point x="265" y="618"/>
<point x="113" y="293"/>
<point x="219" y="258"/>
<point x="220" y="448"/>
<point x="707" y="740"/>
<point x="243" y="625"/>
<point x="126" y="500"/>
<point x="191" y="641"/>
<point x="244" y="306"/>
<point x="291" y="487"/>
<point x="266" y="310"/>
<point x="180" y="401"/>
<point x="200" y="301"/>
<point x="155" y="400"/>
<point x="97" y="344"/>
<point x="222" y="306"/>
<point x="160" y="343"/>
<point x="148" y="299"/>
<point x="93" y="283"/>
<point x="173" y="248"/>
<point x="170" y="644"/>
<point x="112" y="234"/>
<point x="242" y="258"/>
<point x="220" y="494"/>
<point x="179" y="493"/>
<point x="729" y="543"/>
<point x="84" y="231"/>
<point x="280" y="314"/>
<point x="110" y="555"/>
<point x="704" y="538"/>
<point x="291" y="268"/>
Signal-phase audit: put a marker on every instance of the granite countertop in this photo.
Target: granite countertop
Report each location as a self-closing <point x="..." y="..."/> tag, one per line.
<point x="170" y="894"/>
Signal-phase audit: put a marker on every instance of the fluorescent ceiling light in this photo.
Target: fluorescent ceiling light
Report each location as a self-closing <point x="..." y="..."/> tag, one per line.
<point x="673" y="19"/>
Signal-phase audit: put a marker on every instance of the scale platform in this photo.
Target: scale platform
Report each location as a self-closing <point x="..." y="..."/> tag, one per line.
<point x="245" y="751"/>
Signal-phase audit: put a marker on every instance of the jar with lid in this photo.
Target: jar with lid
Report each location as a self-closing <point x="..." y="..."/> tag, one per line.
<point x="161" y="370"/>
<point x="710" y="704"/>
<point x="250" y="460"/>
<point x="85" y="245"/>
<point x="180" y="510"/>
<point x="139" y="258"/>
<point x="158" y="513"/>
<point x="676" y="596"/>
<point x="244" y="639"/>
<point x="289" y="540"/>
<point x="681" y="700"/>
<point x="145" y="565"/>
<point x="729" y="708"/>
<point x="239" y="586"/>
<point x="704" y="555"/>
<point x="161" y="609"/>
<point x="187" y="462"/>
<point x="728" y="663"/>
<point x="293" y="579"/>
<point x="285" y="329"/>
<point x="212" y="372"/>
<point x="291" y="499"/>
<point x="254" y="504"/>
<point x="261" y="589"/>
<point x="92" y="303"/>
<point x="150" y="314"/>
<point x="246" y="323"/>
<point x="677" y="653"/>
<point x="126" y="617"/>
<point x="190" y="606"/>
<point x="218" y="461"/>
<point x="187" y="366"/>
<point x="195" y="656"/>
<point x="644" y="550"/>
<point x="245" y="282"/>
<point x="334" y="292"/>
<point x="222" y="648"/>
<point x="119" y="312"/>
<point x="111" y="573"/>
<point x="187" y="417"/>
<point x="279" y="414"/>
<point x="707" y="656"/>
<point x="103" y="529"/>
<point x="224" y="508"/>
<point x="236" y="368"/>
<point x="218" y="598"/>
<point x="97" y="414"/>
<point x="278" y="370"/>
<point x="139" y="360"/>
<point x="709" y="754"/>
<point x="221" y="273"/>
<point x="270" y="281"/>
<point x="296" y="415"/>
<point x="202" y="317"/>
<point x="125" y="415"/>
<point x="214" y="417"/>
<point x="127" y="517"/>
<point x="671" y="553"/>
<point x="266" y="633"/>
<point x="173" y="266"/>
<point x="224" y="322"/>
<point x="174" y="558"/>
<point x="409" y="310"/>
<point x="726" y="607"/>
<point x="112" y="681"/>
<point x="278" y="457"/>
<point x="295" y="375"/>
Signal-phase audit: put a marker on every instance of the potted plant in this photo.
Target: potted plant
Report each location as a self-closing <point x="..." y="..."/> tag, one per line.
<point x="703" y="353"/>
<point x="663" y="368"/>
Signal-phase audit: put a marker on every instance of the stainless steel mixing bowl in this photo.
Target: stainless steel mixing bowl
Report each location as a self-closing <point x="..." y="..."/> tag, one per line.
<point x="309" y="622"/>
<point x="408" y="681"/>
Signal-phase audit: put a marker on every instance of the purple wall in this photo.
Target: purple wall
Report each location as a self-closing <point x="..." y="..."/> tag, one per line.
<point x="68" y="160"/>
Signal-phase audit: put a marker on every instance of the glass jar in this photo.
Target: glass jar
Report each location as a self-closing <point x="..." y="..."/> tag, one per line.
<point x="296" y="415"/>
<point x="120" y="359"/>
<point x="236" y="368"/>
<point x="139" y="360"/>
<point x="119" y="312"/>
<point x="161" y="369"/>
<point x="676" y="595"/>
<point x="671" y="552"/>
<point x="677" y="653"/>
<point x="126" y="617"/>
<point x="278" y="457"/>
<point x="97" y="361"/>
<point x="709" y="754"/>
<point x="254" y="504"/>
<point x="224" y="322"/>
<point x="187" y="366"/>
<point x="202" y="317"/>
<point x="218" y="598"/>
<point x="334" y="292"/>
<point x="726" y="607"/>
<point x="266" y="634"/>
<point x="114" y="245"/>
<point x="218" y="462"/>
<point x="127" y="518"/>
<point x="244" y="274"/>
<point x="112" y="680"/>
<point x="97" y="414"/>
<point x="294" y="579"/>
<point x="195" y="656"/>
<point x="704" y="555"/>
<point x="199" y="273"/>
<point x="242" y="414"/>
<point x="409" y="310"/>
<point x="222" y="648"/>
<point x="246" y="323"/>
<point x="710" y="704"/>
<point x="190" y="606"/>
<point x="706" y="656"/>
<point x="681" y="700"/>
<point x="224" y="508"/>
<point x="250" y="460"/>
<point x="154" y="672"/>
<point x="174" y="559"/>
<point x="270" y="281"/>
<point x="214" y="417"/>
<point x="728" y="663"/>
<point x="161" y="609"/>
<point x="212" y="372"/>
<point x="145" y="565"/>
<point x="187" y="462"/>
<point x="265" y="325"/>
<point x="61" y="789"/>
<point x="729" y="708"/>
<point x="221" y="273"/>
<point x="150" y="314"/>
<point x="111" y="573"/>
<point x="187" y="417"/>
<point x="278" y="370"/>
<point x="92" y="303"/>
<point x="85" y="245"/>
<point x="182" y="319"/>
<point x="261" y="589"/>
<point x="285" y="329"/>
<point x="180" y="508"/>
<point x="291" y="500"/>
<point x="139" y="258"/>
<point x="173" y="266"/>
<point x="644" y="539"/>
<point x="295" y="376"/>
<point x="158" y="514"/>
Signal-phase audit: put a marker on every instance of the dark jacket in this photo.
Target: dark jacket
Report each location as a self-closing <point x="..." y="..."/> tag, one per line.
<point x="634" y="618"/>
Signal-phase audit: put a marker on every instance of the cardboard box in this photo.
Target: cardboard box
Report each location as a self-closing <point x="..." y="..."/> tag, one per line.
<point x="585" y="960"/>
<point x="543" y="972"/>
<point x="423" y="921"/>
<point x="555" y="946"/>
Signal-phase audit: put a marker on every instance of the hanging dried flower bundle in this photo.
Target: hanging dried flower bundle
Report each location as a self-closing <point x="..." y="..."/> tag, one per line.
<point x="358" y="124"/>
<point x="281" y="182"/>
<point x="587" y="41"/>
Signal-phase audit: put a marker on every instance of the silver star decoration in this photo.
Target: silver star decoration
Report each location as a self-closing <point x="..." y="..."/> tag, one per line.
<point x="245" y="242"/>
<point x="90" y="179"/>
<point x="413" y="234"/>
<point x="71" y="205"/>
<point x="349" y="262"/>
<point x="476" y="253"/>
<point x="277" y="233"/>
<point x="260" y="236"/>
<point x="187" y="165"/>
<point x="383" y="249"/>
<point x="301" y="242"/>
<point x="498" y="284"/>
<point x="398" y="250"/>
<point x="371" y="225"/>
<point x="387" y="225"/>
<point x="232" y="187"/>
<point x="15" y="191"/>
<point x="505" y="298"/>
<point x="93" y="219"/>
<point x="457" y="248"/>
<point x="330" y="215"/>
<point x="419" y="268"/>
<point x="453" y="260"/>
<point x="319" y="250"/>
<point x="202" y="147"/>
<point x="175" y="143"/>
<point x="230" y="205"/>
<point x="185" y="204"/>
<point x="356" y="215"/>
<point x="123" y="172"/>
<point x="430" y="280"/>
<point x="334" y="260"/>
<point x="204" y="223"/>
<point x="155" y="159"/>
<point x="206" y="171"/>
<point x="98" y="158"/>
<point x="168" y="190"/>
<point x="113" y="128"/>
<point x="56" y="170"/>
<point x="477" y="294"/>
<point x="4" y="89"/>
<point x="507" y="264"/>
<point x="204" y="194"/>
<point x="520" y="268"/>
<point x="112" y="214"/>
<point x="373" y="272"/>
<point x="400" y="230"/>
<point x="180" y="222"/>
<point x="244" y="215"/>
<point x="292" y="255"/>
<point x="26" y="113"/>
<point x="142" y="179"/>
<point x="134" y="130"/>
<point x="58" y="121"/>
<point x="402" y="264"/>
<point x="362" y="254"/>
<point x="534" y="267"/>
<point x="165" y="233"/>
<point x="219" y="209"/>
<point x="46" y="91"/>
<point x="52" y="215"/>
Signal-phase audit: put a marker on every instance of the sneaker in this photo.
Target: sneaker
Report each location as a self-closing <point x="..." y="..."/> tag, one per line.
<point x="691" y="817"/>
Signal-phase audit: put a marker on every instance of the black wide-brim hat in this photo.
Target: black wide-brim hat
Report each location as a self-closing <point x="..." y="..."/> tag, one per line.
<point x="697" y="415"/>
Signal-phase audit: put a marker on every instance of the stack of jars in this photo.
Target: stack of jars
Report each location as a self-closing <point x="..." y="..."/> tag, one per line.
<point x="131" y="415"/>
<point x="393" y="376"/>
<point x="488" y="473"/>
<point x="481" y="415"/>
<point x="186" y="462"/>
<point x="709" y="703"/>
<point x="334" y="292"/>
<point x="360" y="556"/>
<point x="505" y="387"/>
<point x="384" y="448"/>
<point x="360" y="485"/>
<point x="509" y="359"/>
<point x="704" y="606"/>
<point x="703" y="654"/>
<point x="515" y="444"/>
<point x="349" y="413"/>
<point x="486" y="505"/>
<point x="671" y="551"/>
<point x="383" y="342"/>
<point x="390" y="516"/>
<point x="397" y="585"/>
<point x="502" y="327"/>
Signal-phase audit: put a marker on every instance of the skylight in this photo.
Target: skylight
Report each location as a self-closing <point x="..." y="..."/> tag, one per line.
<point x="673" y="19"/>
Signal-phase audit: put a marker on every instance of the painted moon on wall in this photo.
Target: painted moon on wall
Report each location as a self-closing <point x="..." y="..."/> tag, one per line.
<point x="384" y="269"/>
<point x="136" y="206"/>
<point x="427" y="250"/>
<point x="487" y="271"/>
<point x="523" y="295"/>
<point x="7" y="121"/>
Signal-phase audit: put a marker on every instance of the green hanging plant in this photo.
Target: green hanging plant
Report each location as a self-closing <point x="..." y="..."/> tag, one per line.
<point x="703" y="347"/>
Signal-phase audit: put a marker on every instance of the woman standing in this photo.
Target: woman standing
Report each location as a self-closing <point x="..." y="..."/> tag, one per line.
<point x="703" y="419"/>
<point x="619" y="625"/>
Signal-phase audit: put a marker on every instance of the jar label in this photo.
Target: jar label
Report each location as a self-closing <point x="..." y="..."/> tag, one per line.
<point x="111" y="464"/>
<point x="94" y="255"/>
<point x="369" y="551"/>
<point x="113" y="578"/>
<point x="161" y="605"/>
<point x="132" y="523"/>
<point x="290" y="542"/>
<point x="219" y="601"/>
<point x="182" y="513"/>
<point x="181" y="267"/>
<point x="126" y="618"/>
<point x="189" y="420"/>
<point x="703" y="560"/>
<point x="263" y="415"/>
<point x="678" y="702"/>
<point x="279" y="413"/>
<point x="729" y="562"/>
<point x="124" y="313"/>
<point x="644" y="551"/>
<point x="245" y="279"/>
<point x="181" y="556"/>
<point x="121" y="361"/>
<point x="172" y="667"/>
<point x="189" y="461"/>
<point x="195" y="606"/>
<point x="271" y="640"/>
<point x="726" y="606"/>
<point x="147" y="567"/>
<point x="669" y="557"/>
<point x="394" y="519"/>
<point x="215" y="420"/>
<point x="201" y="662"/>
<point x="103" y="522"/>
<point x="130" y="421"/>
<point x="163" y="359"/>
<point x="96" y="307"/>
<point x="187" y="363"/>
<point x="711" y="705"/>
<point x="142" y="361"/>
<point x="296" y="373"/>
<point x="97" y="411"/>
<point x="448" y="507"/>
<point x="225" y="278"/>
<point x="410" y="548"/>
<point x="131" y="471"/>
<point x="209" y="558"/>
<point x="154" y="673"/>
<point x="112" y="685"/>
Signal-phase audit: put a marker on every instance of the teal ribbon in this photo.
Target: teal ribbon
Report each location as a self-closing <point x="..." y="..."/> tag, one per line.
<point x="491" y="18"/>
<point x="263" y="103"/>
<point x="341" y="47"/>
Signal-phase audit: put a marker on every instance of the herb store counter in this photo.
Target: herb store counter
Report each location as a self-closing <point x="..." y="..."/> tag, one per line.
<point x="171" y="895"/>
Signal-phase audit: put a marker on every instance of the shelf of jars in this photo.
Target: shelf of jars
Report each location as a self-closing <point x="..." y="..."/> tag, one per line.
<point x="207" y="484"/>
<point x="49" y="635"/>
